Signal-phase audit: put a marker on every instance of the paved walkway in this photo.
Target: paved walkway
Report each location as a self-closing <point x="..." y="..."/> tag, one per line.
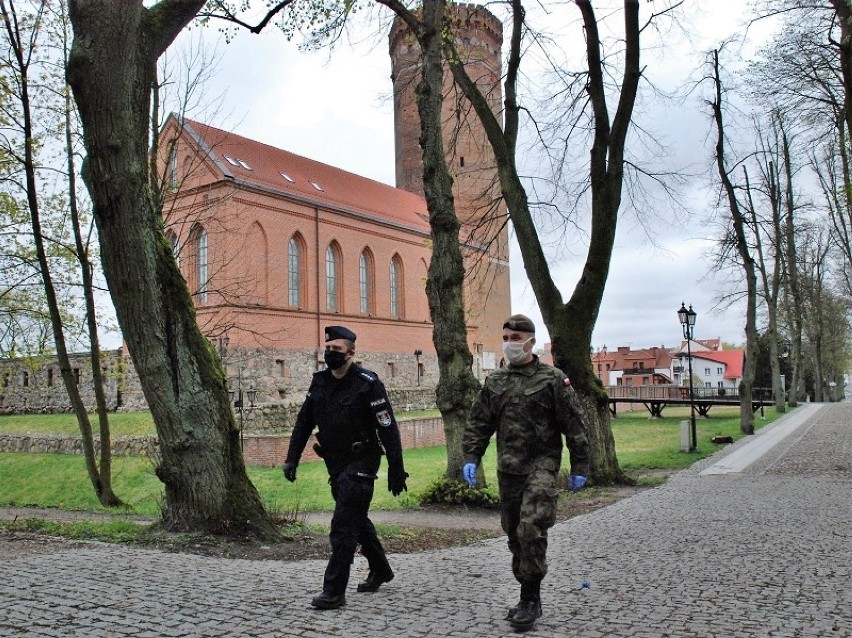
<point x="756" y="549"/>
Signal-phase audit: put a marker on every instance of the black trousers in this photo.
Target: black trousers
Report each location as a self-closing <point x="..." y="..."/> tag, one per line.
<point x="352" y="490"/>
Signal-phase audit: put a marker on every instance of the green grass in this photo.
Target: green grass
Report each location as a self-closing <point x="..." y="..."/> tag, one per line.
<point x="120" y="424"/>
<point x="644" y="446"/>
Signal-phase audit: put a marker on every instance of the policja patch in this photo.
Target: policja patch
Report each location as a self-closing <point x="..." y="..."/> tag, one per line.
<point x="384" y="418"/>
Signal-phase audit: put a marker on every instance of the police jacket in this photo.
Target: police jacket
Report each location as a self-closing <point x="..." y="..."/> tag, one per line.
<point x="530" y="407"/>
<point x="352" y="415"/>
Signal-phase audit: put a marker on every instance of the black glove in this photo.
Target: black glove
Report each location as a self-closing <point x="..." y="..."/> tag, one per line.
<point x="396" y="481"/>
<point x="290" y="471"/>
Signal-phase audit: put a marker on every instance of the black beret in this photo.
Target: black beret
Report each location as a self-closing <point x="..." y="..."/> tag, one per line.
<point x="338" y="332"/>
<point x="520" y="323"/>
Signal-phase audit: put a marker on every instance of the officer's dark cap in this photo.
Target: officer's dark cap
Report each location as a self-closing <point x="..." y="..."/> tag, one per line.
<point x="338" y="332"/>
<point x="520" y="323"/>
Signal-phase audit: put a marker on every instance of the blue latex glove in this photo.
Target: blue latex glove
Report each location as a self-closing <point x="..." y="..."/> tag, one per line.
<point x="576" y="482"/>
<point x="469" y="473"/>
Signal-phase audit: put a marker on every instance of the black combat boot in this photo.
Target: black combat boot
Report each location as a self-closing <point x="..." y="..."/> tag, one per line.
<point x="328" y="601"/>
<point x="525" y="615"/>
<point x="375" y="580"/>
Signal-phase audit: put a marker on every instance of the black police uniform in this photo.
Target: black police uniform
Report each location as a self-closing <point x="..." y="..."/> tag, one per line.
<point x="353" y="416"/>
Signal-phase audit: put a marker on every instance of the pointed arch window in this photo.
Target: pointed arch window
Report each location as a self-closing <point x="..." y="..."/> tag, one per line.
<point x="332" y="277"/>
<point x="173" y="168"/>
<point x="295" y="270"/>
<point x="172" y="238"/>
<point x="396" y="291"/>
<point x="201" y="264"/>
<point x="366" y="282"/>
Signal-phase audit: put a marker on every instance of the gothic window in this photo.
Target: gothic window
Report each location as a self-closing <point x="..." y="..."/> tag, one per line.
<point x="201" y="265"/>
<point x="396" y="290"/>
<point x="173" y="169"/>
<point x="365" y="281"/>
<point x="197" y="263"/>
<point x="172" y="238"/>
<point x="295" y="271"/>
<point x="332" y="277"/>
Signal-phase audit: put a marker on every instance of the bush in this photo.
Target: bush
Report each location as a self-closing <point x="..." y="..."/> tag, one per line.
<point x="447" y="492"/>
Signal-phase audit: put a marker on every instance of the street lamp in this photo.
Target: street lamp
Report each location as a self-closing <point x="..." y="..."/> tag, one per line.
<point x="239" y="403"/>
<point x="687" y="322"/>
<point x="417" y="354"/>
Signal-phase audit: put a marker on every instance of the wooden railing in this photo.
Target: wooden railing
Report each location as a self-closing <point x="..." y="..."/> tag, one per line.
<point x="674" y="392"/>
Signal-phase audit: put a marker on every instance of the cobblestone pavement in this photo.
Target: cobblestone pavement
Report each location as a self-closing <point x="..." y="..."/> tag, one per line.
<point x="760" y="552"/>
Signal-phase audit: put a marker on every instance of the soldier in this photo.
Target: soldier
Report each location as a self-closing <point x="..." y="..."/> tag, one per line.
<point x="350" y="407"/>
<point x="530" y="405"/>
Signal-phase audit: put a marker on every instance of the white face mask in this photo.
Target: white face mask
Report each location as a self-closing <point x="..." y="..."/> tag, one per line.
<point x="514" y="351"/>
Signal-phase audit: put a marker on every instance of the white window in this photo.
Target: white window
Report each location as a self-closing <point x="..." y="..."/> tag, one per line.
<point x="706" y="372"/>
<point x="395" y="287"/>
<point x="201" y="264"/>
<point x="294" y="260"/>
<point x="365" y="278"/>
<point x="719" y="370"/>
<point x="331" y="277"/>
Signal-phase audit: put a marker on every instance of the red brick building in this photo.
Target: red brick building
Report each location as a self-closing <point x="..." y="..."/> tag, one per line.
<point x="276" y="246"/>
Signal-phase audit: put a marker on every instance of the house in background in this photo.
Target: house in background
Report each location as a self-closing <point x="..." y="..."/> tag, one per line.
<point x="627" y="367"/>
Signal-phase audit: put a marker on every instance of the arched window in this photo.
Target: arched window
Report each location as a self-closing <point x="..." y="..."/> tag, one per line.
<point x="201" y="264"/>
<point x="295" y="270"/>
<point x="172" y="238"/>
<point x="196" y="263"/>
<point x="173" y="168"/>
<point x="396" y="291"/>
<point x="332" y="277"/>
<point x="366" y="281"/>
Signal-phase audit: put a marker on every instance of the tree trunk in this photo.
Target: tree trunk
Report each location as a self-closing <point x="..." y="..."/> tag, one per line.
<point x="746" y="260"/>
<point x="111" y="69"/>
<point x="457" y="385"/>
<point x="104" y="470"/>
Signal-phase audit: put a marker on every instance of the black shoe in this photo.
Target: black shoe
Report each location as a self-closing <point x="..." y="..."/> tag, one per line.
<point x="374" y="581"/>
<point x="526" y="613"/>
<point x="327" y="601"/>
<point x="512" y="611"/>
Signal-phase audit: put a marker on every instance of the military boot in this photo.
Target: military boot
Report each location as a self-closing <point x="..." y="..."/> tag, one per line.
<point x="375" y="580"/>
<point x="328" y="601"/>
<point x="526" y="613"/>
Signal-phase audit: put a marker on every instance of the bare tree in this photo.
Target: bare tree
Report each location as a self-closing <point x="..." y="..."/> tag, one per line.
<point x="26" y="31"/>
<point x="739" y="224"/>
<point x="571" y="323"/>
<point x="112" y="68"/>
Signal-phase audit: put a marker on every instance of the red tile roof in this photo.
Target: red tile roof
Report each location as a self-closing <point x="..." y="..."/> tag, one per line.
<point x="264" y="166"/>
<point x="733" y="360"/>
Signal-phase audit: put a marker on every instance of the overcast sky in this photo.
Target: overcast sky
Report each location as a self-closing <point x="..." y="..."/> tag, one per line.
<point x="336" y="109"/>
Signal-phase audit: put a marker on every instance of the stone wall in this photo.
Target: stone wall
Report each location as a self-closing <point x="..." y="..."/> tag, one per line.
<point x="261" y="450"/>
<point x="280" y="379"/>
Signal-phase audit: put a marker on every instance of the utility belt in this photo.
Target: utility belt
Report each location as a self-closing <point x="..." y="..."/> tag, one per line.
<point x="357" y="449"/>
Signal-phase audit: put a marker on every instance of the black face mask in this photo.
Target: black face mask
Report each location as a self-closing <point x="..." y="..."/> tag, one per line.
<point x="334" y="359"/>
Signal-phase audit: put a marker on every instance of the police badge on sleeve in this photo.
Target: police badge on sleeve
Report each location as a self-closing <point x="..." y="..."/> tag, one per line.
<point x="384" y="418"/>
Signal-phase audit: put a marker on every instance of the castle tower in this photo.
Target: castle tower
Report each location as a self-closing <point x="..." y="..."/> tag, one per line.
<point x="476" y="189"/>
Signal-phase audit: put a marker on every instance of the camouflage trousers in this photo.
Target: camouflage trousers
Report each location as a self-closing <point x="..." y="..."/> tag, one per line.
<point x="528" y="510"/>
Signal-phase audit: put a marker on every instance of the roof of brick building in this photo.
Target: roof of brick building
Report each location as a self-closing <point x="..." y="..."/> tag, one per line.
<point x="256" y="164"/>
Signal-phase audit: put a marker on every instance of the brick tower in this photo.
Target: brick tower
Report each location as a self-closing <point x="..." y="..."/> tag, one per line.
<point x="476" y="190"/>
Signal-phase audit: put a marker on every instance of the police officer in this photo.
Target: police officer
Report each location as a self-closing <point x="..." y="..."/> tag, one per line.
<point x="530" y="405"/>
<point x="350" y="407"/>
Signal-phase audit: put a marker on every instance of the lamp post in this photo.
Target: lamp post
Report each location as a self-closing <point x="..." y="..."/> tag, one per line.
<point x="417" y="355"/>
<point x="239" y="402"/>
<point x="687" y="322"/>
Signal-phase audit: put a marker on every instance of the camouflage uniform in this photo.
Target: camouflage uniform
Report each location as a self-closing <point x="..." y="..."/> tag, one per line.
<point x="530" y="407"/>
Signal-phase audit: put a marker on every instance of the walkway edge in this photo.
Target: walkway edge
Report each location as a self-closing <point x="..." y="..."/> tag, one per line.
<point x="763" y="441"/>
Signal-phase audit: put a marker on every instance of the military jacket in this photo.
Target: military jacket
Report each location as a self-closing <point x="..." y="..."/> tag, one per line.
<point x="530" y="407"/>
<point x="351" y="415"/>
